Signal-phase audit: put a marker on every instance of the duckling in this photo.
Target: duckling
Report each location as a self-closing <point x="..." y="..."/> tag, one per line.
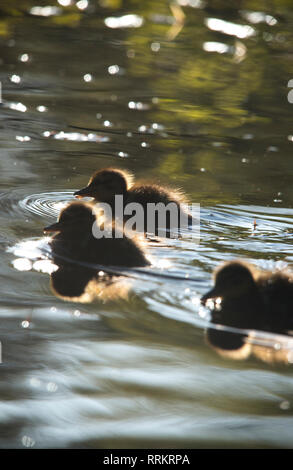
<point x="75" y="240"/>
<point x="251" y="299"/>
<point x="107" y="183"/>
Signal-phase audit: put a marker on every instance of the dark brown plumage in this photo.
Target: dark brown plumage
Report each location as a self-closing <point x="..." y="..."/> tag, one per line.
<point x="250" y="299"/>
<point x="75" y="240"/>
<point x="107" y="183"/>
<point x="76" y="251"/>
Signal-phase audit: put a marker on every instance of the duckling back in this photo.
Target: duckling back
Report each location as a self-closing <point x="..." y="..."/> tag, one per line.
<point x="122" y="251"/>
<point x="277" y="290"/>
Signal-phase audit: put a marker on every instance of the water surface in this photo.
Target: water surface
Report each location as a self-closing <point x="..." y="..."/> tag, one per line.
<point x="202" y="106"/>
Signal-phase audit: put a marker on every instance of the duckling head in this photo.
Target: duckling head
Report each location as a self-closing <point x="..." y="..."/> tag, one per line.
<point x="75" y="218"/>
<point x="105" y="184"/>
<point x="232" y="280"/>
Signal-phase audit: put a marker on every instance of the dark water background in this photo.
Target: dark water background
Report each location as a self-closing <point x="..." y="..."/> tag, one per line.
<point x="202" y="106"/>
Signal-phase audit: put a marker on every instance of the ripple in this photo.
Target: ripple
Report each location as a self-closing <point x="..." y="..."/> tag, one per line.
<point x="268" y="219"/>
<point x="46" y="204"/>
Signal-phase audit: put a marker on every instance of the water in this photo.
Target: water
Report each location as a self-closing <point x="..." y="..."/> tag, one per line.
<point x="79" y="95"/>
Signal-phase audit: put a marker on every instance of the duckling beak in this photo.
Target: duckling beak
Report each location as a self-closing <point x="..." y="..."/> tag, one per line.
<point x="52" y="228"/>
<point x="85" y="192"/>
<point x="211" y="294"/>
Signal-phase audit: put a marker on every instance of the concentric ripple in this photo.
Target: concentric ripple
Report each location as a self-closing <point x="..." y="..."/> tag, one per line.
<point x="46" y="204"/>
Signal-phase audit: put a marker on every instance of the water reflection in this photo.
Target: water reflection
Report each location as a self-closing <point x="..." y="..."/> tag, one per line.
<point x="84" y="285"/>
<point x="240" y="344"/>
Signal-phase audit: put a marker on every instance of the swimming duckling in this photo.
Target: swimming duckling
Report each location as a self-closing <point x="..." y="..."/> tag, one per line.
<point x="75" y="240"/>
<point x="107" y="183"/>
<point x="250" y="299"/>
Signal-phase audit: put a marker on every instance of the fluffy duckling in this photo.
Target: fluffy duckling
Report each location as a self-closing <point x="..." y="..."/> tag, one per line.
<point x="105" y="184"/>
<point x="251" y="299"/>
<point x="75" y="240"/>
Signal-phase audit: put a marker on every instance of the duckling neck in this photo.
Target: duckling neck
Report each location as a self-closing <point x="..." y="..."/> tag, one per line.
<point x="117" y="199"/>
